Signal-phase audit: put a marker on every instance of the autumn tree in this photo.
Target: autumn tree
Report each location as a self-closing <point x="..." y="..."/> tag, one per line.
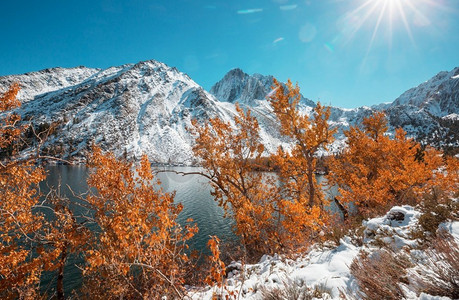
<point x="272" y="212"/>
<point x="139" y="249"/>
<point x="36" y="232"/>
<point x="65" y="233"/>
<point x="376" y="171"/>
<point x="303" y="199"/>
<point x="133" y="245"/>
<point x="19" y="270"/>
<point x="230" y="153"/>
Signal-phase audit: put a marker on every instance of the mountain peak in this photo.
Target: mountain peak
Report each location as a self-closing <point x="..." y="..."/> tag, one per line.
<point x="238" y="73"/>
<point x="238" y="86"/>
<point x="147" y="107"/>
<point x="438" y="95"/>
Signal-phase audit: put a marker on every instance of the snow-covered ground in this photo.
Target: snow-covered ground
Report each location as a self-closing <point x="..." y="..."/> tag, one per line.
<point x="327" y="270"/>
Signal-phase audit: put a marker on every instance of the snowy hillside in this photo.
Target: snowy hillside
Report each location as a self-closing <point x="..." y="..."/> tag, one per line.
<point x="250" y="91"/>
<point x="146" y="108"/>
<point x="136" y="108"/>
<point x="428" y="111"/>
<point x="324" y="272"/>
<point x="237" y="86"/>
<point x="439" y="96"/>
<point x="37" y="83"/>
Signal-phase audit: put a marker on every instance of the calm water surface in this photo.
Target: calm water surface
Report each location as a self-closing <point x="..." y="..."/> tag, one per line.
<point x="192" y="191"/>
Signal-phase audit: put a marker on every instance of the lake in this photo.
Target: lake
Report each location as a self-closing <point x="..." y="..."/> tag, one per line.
<point x="193" y="191"/>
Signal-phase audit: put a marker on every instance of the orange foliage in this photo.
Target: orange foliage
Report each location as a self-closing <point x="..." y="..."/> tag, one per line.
<point x="447" y="177"/>
<point x="18" y="195"/>
<point x="217" y="266"/>
<point x="141" y="248"/>
<point x="303" y="200"/>
<point x="30" y="241"/>
<point x="272" y="211"/>
<point x="136" y="250"/>
<point x="230" y="156"/>
<point x="375" y="172"/>
<point x="62" y="236"/>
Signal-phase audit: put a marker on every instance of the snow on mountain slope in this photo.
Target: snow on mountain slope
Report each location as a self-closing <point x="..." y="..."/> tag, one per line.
<point x="439" y="95"/>
<point x="146" y="108"/>
<point x="48" y="80"/>
<point x="426" y="112"/>
<point x="237" y="86"/>
<point x="137" y="108"/>
<point x="251" y="91"/>
<point x="423" y="111"/>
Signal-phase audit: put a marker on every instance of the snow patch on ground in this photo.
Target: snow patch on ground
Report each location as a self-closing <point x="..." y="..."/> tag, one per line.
<point x="323" y="267"/>
<point x="453" y="117"/>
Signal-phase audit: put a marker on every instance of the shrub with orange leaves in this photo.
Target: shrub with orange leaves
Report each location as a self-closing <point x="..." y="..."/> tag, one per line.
<point x="303" y="200"/>
<point x="19" y="271"/>
<point x="217" y="266"/>
<point x="36" y="234"/>
<point x="217" y="272"/>
<point x="141" y="249"/>
<point x="376" y="171"/>
<point x="230" y="154"/>
<point x="272" y="211"/>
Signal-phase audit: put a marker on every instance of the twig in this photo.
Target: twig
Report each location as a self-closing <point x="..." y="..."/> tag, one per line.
<point x="161" y="274"/>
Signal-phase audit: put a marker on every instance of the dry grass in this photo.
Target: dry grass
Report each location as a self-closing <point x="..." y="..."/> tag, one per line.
<point x="440" y="277"/>
<point x="436" y="208"/>
<point x="379" y="275"/>
<point x="293" y="290"/>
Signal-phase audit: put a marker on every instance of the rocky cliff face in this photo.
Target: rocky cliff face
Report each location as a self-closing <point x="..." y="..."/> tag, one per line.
<point x="146" y="108"/>
<point x="237" y="86"/>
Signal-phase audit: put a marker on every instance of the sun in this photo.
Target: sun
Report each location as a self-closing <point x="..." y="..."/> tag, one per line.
<point x="389" y="16"/>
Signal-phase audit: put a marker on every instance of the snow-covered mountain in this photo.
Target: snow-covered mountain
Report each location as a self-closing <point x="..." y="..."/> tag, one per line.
<point x="237" y="86"/>
<point x="430" y="111"/>
<point x="147" y="107"/>
<point x="48" y="80"/>
<point x="439" y="96"/>
<point x="135" y="108"/>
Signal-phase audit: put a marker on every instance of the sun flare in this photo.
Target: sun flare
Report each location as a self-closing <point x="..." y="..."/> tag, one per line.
<point x="390" y="16"/>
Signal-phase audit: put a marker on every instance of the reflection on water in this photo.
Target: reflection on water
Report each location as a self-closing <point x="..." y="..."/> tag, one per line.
<point x="192" y="191"/>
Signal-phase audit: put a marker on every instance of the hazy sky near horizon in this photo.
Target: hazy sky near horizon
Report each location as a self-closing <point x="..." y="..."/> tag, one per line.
<point x="346" y="53"/>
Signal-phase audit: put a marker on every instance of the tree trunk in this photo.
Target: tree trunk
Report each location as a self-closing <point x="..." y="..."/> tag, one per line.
<point x="311" y="181"/>
<point x="341" y="208"/>
<point x="60" y="274"/>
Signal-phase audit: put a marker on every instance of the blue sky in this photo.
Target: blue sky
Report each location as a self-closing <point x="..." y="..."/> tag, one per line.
<point x="345" y="53"/>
